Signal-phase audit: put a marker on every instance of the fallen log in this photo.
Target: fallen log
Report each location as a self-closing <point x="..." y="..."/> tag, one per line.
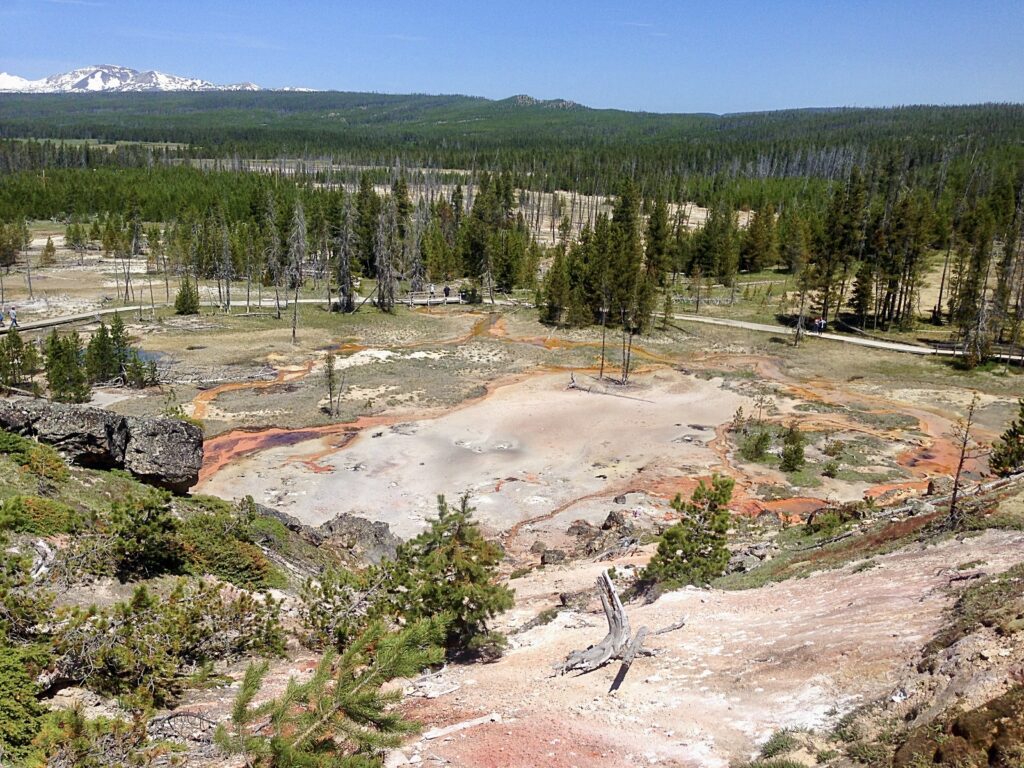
<point x="436" y="733"/>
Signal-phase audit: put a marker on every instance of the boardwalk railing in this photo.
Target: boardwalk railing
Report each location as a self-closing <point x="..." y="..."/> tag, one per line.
<point x="431" y="299"/>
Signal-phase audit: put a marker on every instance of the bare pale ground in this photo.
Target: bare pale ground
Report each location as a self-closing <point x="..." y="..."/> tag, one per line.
<point x="542" y="211"/>
<point x="70" y="287"/>
<point x="801" y="653"/>
<point x="795" y="654"/>
<point x="529" y="448"/>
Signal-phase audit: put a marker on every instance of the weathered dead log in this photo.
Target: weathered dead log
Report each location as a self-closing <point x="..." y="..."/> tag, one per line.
<point x="613" y="644"/>
<point x="619" y="643"/>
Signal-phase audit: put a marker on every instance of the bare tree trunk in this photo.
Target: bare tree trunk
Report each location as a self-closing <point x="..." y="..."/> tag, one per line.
<point x="619" y="643"/>
<point x="604" y="328"/>
<point x="28" y="272"/>
<point x="800" y="318"/>
<point x="956" y="517"/>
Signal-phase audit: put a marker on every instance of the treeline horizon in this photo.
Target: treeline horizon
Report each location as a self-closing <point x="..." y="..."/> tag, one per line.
<point x="545" y="145"/>
<point x="856" y="204"/>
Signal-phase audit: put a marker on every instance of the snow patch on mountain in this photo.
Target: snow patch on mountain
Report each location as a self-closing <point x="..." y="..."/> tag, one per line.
<point x="112" y="79"/>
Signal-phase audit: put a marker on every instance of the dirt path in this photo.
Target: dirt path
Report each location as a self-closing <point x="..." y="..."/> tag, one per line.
<point x="889" y="346"/>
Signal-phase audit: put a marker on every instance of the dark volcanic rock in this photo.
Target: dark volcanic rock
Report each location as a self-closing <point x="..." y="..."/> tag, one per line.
<point x="615" y="519"/>
<point x="371" y="541"/>
<point x="90" y="437"/>
<point x="580" y="528"/>
<point x="552" y="556"/>
<point x="163" y="452"/>
<point x="293" y="524"/>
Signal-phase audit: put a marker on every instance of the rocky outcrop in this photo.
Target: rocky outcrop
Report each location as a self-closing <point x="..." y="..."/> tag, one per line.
<point x="369" y="541"/>
<point x="293" y="524"/>
<point x="166" y="453"/>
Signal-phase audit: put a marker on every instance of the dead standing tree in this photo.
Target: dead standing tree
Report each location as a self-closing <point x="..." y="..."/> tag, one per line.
<point x="620" y="643"/>
<point x="968" y="449"/>
<point x="386" y="247"/>
<point x="297" y="258"/>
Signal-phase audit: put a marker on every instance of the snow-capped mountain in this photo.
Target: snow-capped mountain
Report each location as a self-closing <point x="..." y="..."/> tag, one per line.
<point x="113" y="79"/>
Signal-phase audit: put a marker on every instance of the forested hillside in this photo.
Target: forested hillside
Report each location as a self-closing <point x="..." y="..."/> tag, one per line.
<point x="857" y="205"/>
<point x="557" y="143"/>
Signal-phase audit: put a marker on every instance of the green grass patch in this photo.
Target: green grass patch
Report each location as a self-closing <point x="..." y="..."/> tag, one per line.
<point x="802" y="552"/>
<point x="779" y="743"/>
<point x="220" y="543"/>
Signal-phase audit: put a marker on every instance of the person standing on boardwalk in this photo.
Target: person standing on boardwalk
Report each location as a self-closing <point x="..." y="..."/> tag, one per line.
<point x="14" y="317"/>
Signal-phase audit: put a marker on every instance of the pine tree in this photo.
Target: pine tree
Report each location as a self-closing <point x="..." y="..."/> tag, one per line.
<point x="65" y="373"/>
<point x="49" y="254"/>
<point x="136" y="373"/>
<point x="656" y="255"/>
<point x="693" y="550"/>
<point x="386" y="247"/>
<point x="339" y="717"/>
<point x="100" y="360"/>
<point x="452" y="570"/>
<point x="1007" y="455"/>
<point x="345" y="245"/>
<point x="18" y="361"/>
<point x="556" y="291"/>
<point x="792" y="449"/>
<point x="186" y="302"/>
<point x="331" y="380"/>
<point x="119" y="341"/>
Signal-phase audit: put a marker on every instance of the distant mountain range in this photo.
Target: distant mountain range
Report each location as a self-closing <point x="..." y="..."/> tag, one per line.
<point x="108" y="78"/>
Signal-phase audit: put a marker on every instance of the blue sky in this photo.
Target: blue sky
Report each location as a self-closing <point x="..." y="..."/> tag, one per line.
<point x="653" y="55"/>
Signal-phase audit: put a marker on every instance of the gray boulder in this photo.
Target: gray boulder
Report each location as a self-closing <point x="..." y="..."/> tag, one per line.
<point x="89" y="437"/>
<point x="370" y="541"/>
<point x="166" y="453"/>
<point x="552" y="557"/>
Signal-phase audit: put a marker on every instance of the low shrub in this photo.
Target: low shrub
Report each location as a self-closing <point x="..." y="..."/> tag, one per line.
<point x="21" y="714"/>
<point x="41" y="460"/>
<point x="150" y="648"/>
<point x="338" y="605"/>
<point x="39" y="516"/>
<point x="220" y="544"/>
<point x="827" y="522"/>
<point x="23" y="603"/>
<point x="145" y="540"/>
<point x="779" y="743"/>
<point x="755" y="445"/>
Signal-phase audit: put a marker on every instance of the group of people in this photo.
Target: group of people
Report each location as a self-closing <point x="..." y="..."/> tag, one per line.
<point x="447" y="292"/>
<point x="12" y="315"/>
